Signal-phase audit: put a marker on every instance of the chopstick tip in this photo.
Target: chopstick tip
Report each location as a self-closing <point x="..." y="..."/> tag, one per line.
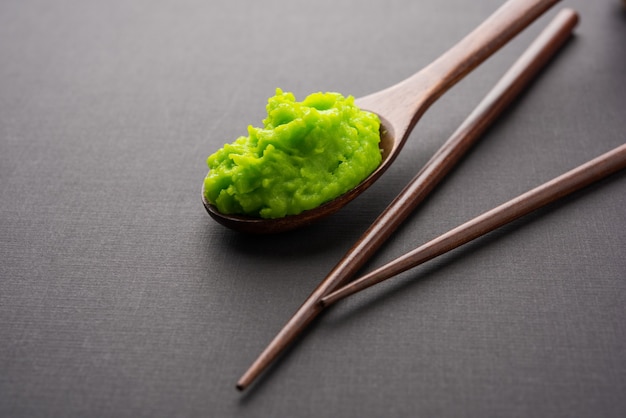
<point x="327" y="300"/>
<point x="243" y="382"/>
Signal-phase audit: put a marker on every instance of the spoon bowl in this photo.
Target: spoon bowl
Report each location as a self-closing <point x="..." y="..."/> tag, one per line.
<point x="256" y="225"/>
<point x="400" y="106"/>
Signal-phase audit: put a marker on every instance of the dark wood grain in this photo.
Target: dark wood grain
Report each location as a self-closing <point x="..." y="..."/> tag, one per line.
<point x="403" y="104"/>
<point x="505" y="91"/>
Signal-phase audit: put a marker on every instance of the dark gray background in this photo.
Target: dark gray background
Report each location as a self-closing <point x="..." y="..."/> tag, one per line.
<point x="120" y="297"/>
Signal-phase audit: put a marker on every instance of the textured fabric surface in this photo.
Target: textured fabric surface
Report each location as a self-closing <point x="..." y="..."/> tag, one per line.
<point x="120" y="297"/>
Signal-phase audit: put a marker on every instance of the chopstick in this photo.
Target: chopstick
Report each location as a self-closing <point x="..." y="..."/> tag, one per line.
<point x="505" y="91"/>
<point x="547" y="193"/>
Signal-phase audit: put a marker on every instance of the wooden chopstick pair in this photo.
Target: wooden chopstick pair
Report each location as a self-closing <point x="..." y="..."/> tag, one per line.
<point x="549" y="192"/>
<point x="330" y="289"/>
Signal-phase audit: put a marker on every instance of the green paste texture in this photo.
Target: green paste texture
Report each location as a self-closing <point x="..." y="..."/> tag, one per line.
<point x="306" y="154"/>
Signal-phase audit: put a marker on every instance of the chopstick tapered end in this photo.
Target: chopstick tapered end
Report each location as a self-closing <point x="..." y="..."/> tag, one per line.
<point x="305" y="314"/>
<point x="245" y="380"/>
<point x="329" y="299"/>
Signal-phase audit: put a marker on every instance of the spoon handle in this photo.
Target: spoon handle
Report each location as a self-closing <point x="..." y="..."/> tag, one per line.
<point x="509" y="20"/>
<point x="513" y="82"/>
<point x="549" y="192"/>
<point x="404" y="103"/>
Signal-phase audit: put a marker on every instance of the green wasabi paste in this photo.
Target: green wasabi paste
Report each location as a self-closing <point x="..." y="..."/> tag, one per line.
<point x="306" y="154"/>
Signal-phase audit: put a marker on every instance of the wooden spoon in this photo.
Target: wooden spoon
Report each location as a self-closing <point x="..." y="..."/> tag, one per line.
<point x="401" y="106"/>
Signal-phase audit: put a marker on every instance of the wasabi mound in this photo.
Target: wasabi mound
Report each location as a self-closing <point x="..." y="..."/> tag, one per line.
<point x="306" y="154"/>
